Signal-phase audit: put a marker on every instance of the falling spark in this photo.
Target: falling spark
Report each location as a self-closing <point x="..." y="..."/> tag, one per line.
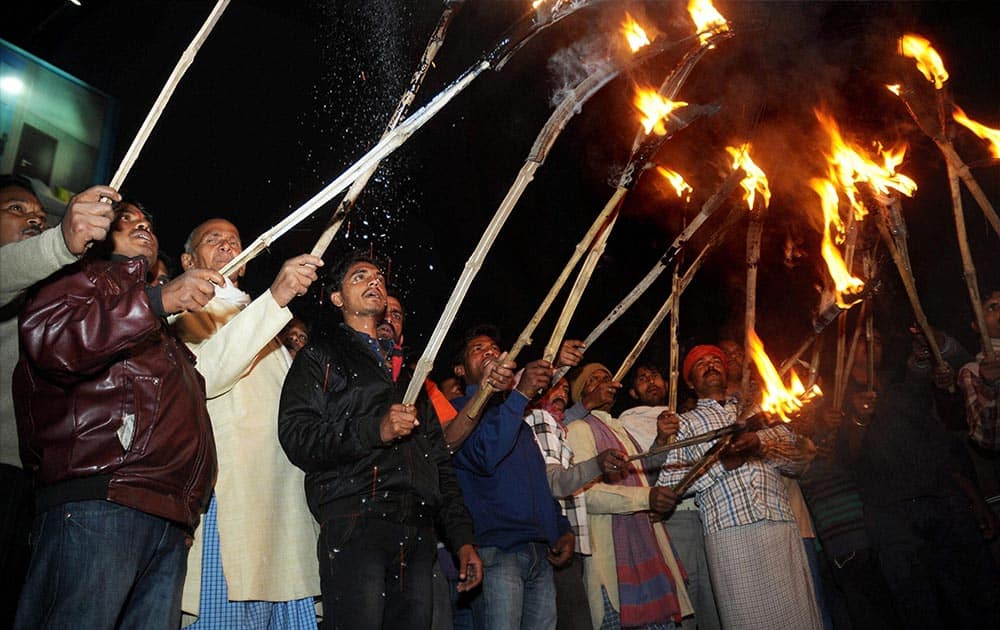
<point x="928" y="60"/>
<point x="755" y="180"/>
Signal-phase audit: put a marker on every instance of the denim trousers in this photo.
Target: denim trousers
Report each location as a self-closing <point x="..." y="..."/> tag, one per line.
<point x="518" y="590"/>
<point x="376" y="574"/>
<point x="97" y="565"/>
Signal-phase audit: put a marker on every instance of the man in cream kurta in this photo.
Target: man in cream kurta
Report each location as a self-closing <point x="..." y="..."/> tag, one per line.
<point x="604" y="501"/>
<point x="266" y="535"/>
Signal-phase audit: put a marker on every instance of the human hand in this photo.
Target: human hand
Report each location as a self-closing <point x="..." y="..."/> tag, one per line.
<point x="667" y="425"/>
<point x="470" y="568"/>
<point x="88" y="219"/>
<point x="662" y="499"/>
<point x="536" y="377"/>
<point x="498" y="374"/>
<point x="294" y="278"/>
<point x="562" y="552"/>
<point x="570" y="353"/>
<point x="944" y="377"/>
<point x="611" y="461"/>
<point x="601" y="395"/>
<point x="740" y="449"/>
<point x="191" y="290"/>
<point x="398" y="422"/>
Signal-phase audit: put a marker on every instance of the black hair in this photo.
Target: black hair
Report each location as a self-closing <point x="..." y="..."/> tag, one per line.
<point x="8" y="180"/>
<point x="634" y="374"/>
<point x="391" y="292"/>
<point x="479" y="330"/>
<point x="335" y="279"/>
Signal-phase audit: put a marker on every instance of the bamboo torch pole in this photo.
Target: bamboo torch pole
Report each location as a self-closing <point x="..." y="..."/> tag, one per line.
<point x="968" y="267"/>
<point x="951" y="157"/>
<point x="132" y="154"/>
<point x="426" y="60"/>
<point x="675" y="291"/>
<point x="869" y="262"/>
<point x="539" y="151"/>
<point x="379" y="152"/>
<point x="530" y="25"/>
<point x="754" y="231"/>
<point x="909" y="284"/>
<point x="579" y="286"/>
<point x="707" y="209"/>
<point x="668" y="304"/>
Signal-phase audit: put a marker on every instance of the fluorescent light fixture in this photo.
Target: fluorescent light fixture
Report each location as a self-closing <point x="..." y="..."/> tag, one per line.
<point x="76" y="2"/>
<point x="11" y="84"/>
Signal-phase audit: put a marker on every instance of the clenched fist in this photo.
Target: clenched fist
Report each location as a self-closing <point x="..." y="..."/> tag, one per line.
<point x="398" y="423"/>
<point x="536" y="377"/>
<point x="662" y="499"/>
<point x="191" y="290"/>
<point x="88" y="219"/>
<point x="667" y="425"/>
<point x="294" y="278"/>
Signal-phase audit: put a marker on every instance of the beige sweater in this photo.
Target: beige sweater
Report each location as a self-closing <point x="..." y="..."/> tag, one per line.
<point x="22" y="264"/>
<point x="604" y="501"/>
<point x="267" y="536"/>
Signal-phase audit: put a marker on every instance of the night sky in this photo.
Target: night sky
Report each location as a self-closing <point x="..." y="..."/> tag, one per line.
<point x="280" y="100"/>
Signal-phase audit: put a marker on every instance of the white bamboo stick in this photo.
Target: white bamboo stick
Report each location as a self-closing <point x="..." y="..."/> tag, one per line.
<point x="168" y="89"/>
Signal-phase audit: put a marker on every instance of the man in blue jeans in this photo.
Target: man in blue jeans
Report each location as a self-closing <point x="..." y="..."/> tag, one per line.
<point x="112" y="424"/>
<point x="519" y="527"/>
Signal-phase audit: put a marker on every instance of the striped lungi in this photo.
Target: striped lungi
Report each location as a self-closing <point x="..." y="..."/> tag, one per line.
<point x="761" y="577"/>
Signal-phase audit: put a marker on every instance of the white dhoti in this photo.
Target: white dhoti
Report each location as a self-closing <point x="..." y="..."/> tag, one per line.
<point x="761" y="577"/>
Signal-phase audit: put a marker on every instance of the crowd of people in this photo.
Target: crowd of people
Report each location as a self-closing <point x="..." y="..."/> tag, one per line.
<point x="178" y="452"/>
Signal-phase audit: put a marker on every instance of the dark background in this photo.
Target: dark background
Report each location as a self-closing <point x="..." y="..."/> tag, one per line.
<point x="284" y="95"/>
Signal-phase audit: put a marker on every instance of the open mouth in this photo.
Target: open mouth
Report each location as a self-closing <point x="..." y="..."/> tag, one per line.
<point x="142" y="235"/>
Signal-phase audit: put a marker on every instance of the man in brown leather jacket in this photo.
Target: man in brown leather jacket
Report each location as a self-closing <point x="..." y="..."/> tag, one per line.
<point x="112" y="423"/>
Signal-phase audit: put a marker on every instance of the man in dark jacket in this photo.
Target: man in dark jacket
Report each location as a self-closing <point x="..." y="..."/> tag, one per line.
<point x="378" y="475"/>
<point x="112" y="423"/>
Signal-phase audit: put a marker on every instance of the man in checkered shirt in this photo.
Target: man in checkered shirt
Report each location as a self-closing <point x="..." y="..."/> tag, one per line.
<point x="759" y="570"/>
<point x="566" y="477"/>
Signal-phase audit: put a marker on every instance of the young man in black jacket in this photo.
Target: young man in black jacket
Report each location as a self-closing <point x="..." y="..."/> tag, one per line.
<point x="378" y="475"/>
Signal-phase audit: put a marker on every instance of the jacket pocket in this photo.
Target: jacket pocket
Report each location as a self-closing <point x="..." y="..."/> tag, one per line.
<point x="142" y="406"/>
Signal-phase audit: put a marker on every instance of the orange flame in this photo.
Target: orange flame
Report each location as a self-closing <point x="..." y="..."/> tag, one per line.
<point x="850" y="166"/>
<point x="755" y="180"/>
<point x="634" y="33"/>
<point x="928" y="60"/>
<point x="894" y="88"/>
<point x="654" y="109"/>
<point x="843" y="281"/>
<point x="707" y="20"/>
<point x="778" y="399"/>
<point x="682" y="188"/>
<point x="992" y="136"/>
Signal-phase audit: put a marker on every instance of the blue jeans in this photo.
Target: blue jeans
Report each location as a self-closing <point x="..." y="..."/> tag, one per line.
<point x="376" y="574"/>
<point x="518" y="590"/>
<point x="97" y="564"/>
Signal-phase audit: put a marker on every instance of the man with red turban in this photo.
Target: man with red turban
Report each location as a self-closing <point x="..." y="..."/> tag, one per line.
<point x="751" y="538"/>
